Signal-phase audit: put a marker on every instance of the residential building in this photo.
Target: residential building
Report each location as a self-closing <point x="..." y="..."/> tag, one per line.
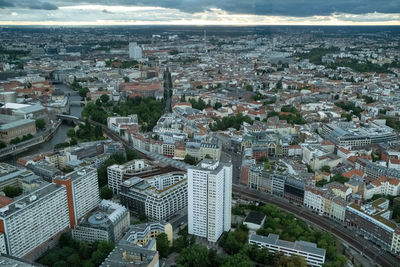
<point x="115" y="173"/>
<point x="121" y="124"/>
<point x="159" y="197"/>
<point x="313" y="255"/>
<point x="31" y="223"/>
<point x="209" y="199"/>
<point x="82" y="192"/>
<point x="372" y="221"/>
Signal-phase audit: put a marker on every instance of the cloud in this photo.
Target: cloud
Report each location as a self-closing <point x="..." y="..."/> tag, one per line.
<point x="31" y="4"/>
<point x="4" y="4"/>
<point x="296" y="8"/>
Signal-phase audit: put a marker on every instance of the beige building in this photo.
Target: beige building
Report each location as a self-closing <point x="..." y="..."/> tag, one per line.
<point x="18" y="128"/>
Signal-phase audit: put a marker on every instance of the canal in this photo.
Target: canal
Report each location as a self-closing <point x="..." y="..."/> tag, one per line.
<point x="61" y="134"/>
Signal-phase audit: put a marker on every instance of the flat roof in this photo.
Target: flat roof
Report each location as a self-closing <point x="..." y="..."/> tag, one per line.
<point x="255" y="217"/>
<point x="273" y="239"/>
<point x="15" y="124"/>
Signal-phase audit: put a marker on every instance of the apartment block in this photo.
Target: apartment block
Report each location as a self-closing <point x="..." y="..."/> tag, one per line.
<point x="209" y="199"/>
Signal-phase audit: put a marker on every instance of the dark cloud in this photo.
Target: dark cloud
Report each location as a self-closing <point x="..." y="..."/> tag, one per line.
<point x="298" y="8"/>
<point x="41" y="5"/>
<point x="4" y="4"/>
<point x="31" y="4"/>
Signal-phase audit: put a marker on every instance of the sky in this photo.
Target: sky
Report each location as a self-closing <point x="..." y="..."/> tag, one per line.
<point x="199" y="12"/>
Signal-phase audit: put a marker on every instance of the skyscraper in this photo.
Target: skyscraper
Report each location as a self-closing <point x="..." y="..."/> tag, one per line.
<point x="135" y="51"/>
<point x="209" y="199"/>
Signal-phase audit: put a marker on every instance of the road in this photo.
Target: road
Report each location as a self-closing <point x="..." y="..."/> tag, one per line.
<point x="375" y="253"/>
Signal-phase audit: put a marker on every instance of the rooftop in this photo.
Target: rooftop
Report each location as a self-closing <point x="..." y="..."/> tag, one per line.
<point x="255" y="217"/>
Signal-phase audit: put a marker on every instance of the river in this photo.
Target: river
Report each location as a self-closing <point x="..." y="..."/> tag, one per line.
<point x="61" y="133"/>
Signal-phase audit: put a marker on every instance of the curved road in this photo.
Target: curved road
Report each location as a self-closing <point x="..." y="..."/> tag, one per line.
<point x="380" y="256"/>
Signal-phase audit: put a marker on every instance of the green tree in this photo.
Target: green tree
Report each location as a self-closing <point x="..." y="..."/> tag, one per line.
<point x="74" y="259"/>
<point x="217" y="105"/>
<point x="249" y="88"/>
<point x="104" y="99"/>
<point x="326" y="168"/>
<point x="2" y="144"/>
<point x="71" y="132"/>
<point x="126" y="79"/>
<point x="238" y="260"/>
<point x="83" y="92"/>
<point x="163" y="245"/>
<point x="40" y="124"/>
<point x="106" y="193"/>
<point x="190" y="160"/>
<point x="12" y="191"/>
<point x="60" y="264"/>
<point x="195" y="255"/>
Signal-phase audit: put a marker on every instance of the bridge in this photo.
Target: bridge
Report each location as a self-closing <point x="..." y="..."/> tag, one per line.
<point x="77" y="103"/>
<point x="68" y="117"/>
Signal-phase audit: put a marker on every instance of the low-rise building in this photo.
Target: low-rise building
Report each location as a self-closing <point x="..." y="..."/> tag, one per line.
<point x="313" y="255"/>
<point x="109" y="223"/>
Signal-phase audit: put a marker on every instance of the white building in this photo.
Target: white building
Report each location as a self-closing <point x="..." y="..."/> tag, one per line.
<point x="313" y="255"/>
<point x="83" y="192"/>
<point x="159" y="197"/>
<point x="314" y="199"/>
<point x="108" y="223"/>
<point x="34" y="220"/>
<point x="135" y="51"/>
<point x="121" y="124"/>
<point x="116" y="172"/>
<point x="209" y="199"/>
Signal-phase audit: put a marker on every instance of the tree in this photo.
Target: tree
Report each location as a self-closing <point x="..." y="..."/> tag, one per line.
<point x="2" y="144"/>
<point x="83" y="92"/>
<point x="190" y="159"/>
<point x="40" y="124"/>
<point x="238" y="260"/>
<point x="163" y="245"/>
<point x="195" y="255"/>
<point x="104" y="98"/>
<point x="126" y="79"/>
<point x="71" y="132"/>
<point x="106" y="193"/>
<point x="326" y="168"/>
<point x="12" y="191"/>
<point x="74" y="259"/>
<point x="217" y="105"/>
<point x="249" y="88"/>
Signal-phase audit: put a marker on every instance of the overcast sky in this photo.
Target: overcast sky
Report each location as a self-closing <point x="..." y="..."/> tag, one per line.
<point x="200" y="12"/>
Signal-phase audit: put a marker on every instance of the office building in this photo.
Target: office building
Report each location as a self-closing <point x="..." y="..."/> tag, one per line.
<point x="109" y="223"/>
<point x="313" y="255"/>
<point x="209" y="199"/>
<point x="159" y="197"/>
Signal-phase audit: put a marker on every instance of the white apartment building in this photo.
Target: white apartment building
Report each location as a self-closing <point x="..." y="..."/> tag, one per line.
<point x="116" y="172"/>
<point x="314" y="199"/>
<point x="135" y="51"/>
<point x="35" y="219"/>
<point x="313" y="255"/>
<point x="83" y="187"/>
<point x="119" y="124"/>
<point x="159" y="197"/>
<point x="209" y="199"/>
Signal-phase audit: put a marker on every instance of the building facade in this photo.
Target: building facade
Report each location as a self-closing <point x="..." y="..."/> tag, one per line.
<point x="209" y="199"/>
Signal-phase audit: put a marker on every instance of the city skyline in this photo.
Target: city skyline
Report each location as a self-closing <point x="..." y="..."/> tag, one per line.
<point x="191" y="12"/>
